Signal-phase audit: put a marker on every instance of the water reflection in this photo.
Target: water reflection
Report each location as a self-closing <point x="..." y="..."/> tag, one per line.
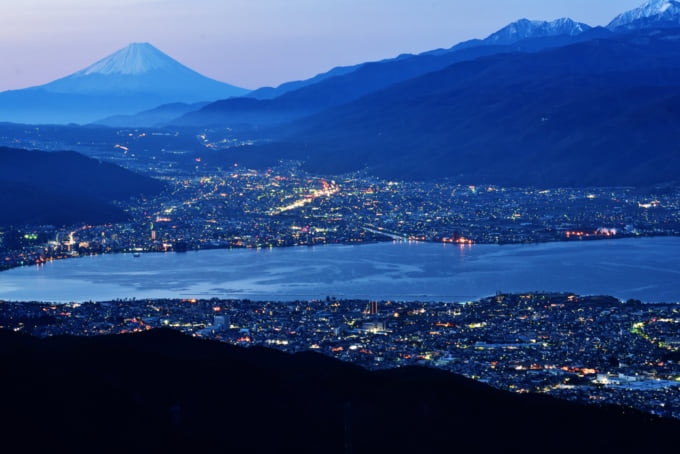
<point x="647" y="269"/>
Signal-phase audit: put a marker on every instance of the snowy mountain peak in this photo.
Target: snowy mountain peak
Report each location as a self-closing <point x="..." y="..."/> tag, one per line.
<point x="136" y="58"/>
<point x="653" y="11"/>
<point x="136" y="78"/>
<point x="525" y="29"/>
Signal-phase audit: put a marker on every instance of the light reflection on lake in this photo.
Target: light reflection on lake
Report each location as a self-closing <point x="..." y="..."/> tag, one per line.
<point x="646" y="268"/>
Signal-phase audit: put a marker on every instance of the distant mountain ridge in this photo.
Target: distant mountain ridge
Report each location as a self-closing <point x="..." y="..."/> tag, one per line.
<point x="344" y="85"/>
<point x="537" y="103"/>
<point x="522" y="35"/>
<point x="600" y="112"/>
<point x="275" y="92"/>
<point x="517" y="31"/>
<point x="527" y="29"/>
<point x="326" y="92"/>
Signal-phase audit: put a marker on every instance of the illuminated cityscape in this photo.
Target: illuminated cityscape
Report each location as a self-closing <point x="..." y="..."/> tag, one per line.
<point x="285" y="206"/>
<point x="595" y="350"/>
<point x="322" y="265"/>
<point x="588" y="349"/>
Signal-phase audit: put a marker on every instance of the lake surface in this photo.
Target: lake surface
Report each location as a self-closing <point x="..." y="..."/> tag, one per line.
<point x="643" y="268"/>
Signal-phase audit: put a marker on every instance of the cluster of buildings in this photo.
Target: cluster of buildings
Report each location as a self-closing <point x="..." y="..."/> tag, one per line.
<point x="589" y="349"/>
<point x="287" y="207"/>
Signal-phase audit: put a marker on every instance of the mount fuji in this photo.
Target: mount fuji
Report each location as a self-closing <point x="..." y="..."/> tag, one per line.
<point x="135" y="78"/>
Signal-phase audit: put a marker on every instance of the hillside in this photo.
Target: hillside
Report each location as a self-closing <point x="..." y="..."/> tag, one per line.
<point x="62" y="188"/>
<point x="162" y="390"/>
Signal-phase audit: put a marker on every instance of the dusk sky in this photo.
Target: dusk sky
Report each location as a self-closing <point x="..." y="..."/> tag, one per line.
<point x="254" y="43"/>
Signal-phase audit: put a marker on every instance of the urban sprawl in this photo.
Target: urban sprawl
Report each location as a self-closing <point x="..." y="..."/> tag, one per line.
<point x="287" y="207"/>
<point x="596" y="350"/>
<point x="591" y="349"/>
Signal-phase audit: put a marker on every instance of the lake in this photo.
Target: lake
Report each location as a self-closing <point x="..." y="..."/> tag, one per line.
<point x="642" y="268"/>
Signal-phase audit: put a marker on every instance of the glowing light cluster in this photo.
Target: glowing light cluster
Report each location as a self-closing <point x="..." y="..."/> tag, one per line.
<point x="327" y="190"/>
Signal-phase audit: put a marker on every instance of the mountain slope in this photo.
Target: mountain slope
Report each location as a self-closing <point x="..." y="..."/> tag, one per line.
<point x="347" y="84"/>
<point x="342" y="85"/>
<point x="586" y="114"/>
<point x="162" y="390"/>
<point x="330" y="92"/>
<point x="62" y="188"/>
<point x="275" y="92"/>
<point x="518" y="31"/>
<point x="133" y="79"/>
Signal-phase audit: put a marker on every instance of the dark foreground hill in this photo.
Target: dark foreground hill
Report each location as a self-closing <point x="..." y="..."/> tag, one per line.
<point x="164" y="391"/>
<point x="62" y="188"/>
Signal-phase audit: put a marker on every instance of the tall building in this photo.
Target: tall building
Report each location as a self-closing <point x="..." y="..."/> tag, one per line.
<point x="371" y="308"/>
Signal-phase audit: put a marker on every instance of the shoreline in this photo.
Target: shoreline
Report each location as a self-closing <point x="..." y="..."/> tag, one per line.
<point x="37" y="260"/>
<point x="398" y="271"/>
